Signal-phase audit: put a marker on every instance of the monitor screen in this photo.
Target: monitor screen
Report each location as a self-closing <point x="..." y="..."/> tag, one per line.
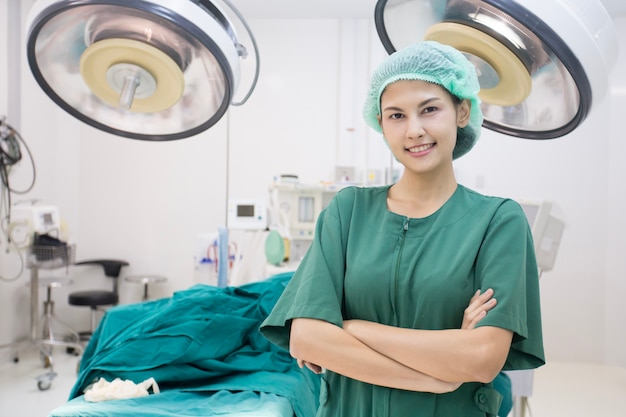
<point x="246" y="210"/>
<point x="47" y="218"/>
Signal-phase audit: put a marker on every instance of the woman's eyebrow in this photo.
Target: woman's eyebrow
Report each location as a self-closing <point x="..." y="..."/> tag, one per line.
<point x="421" y="104"/>
<point x="429" y="100"/>
<point x="392" y="108"/>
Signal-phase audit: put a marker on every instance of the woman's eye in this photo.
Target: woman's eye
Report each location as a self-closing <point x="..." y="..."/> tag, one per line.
<point x="430" y="109"/>
<point x="395" y="116"/>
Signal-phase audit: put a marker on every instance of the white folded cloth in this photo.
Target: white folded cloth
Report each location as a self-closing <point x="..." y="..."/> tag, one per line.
<point x="118" y="389"/>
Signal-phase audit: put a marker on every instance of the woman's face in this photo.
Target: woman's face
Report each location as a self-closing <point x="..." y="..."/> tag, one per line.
<point x="419" y="122"/>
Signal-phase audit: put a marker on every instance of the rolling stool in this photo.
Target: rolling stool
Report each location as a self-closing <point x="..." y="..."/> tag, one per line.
<point x="71" y="339"/>
<point x="146" y="280"/>
<point x="95" y="299"/>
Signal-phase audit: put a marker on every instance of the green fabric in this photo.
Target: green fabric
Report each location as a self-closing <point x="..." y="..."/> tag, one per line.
<point x="502" y="384"/>
<point x="201" y="339"/>
<point x="368" y="263"/>
<point x="182" y="404"/>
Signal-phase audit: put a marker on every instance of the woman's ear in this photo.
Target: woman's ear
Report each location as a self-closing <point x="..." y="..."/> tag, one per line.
<point x="463" y="113"/>
<point x="380" y="121"/>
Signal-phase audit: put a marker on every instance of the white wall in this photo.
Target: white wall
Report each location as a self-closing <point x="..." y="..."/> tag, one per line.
<point x="4" y="50"/>
<point x="298" y="103"/>
<point x="615" y="311"/>
<point x="304" y="117"/>
<point x="145" y="202"/>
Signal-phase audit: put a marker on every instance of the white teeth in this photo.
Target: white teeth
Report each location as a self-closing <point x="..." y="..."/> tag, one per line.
<point x="421" y="148"/>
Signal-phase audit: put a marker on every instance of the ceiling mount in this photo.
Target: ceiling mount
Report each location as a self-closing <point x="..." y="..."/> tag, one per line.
<point x="540" y="65"/>
<point x="142" y="69"/>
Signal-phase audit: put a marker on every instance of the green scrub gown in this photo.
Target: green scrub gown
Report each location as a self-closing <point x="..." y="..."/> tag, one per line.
<point x="371" y="264"/>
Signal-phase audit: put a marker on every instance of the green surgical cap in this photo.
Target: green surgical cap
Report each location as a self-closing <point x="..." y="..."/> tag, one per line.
<point x="436" y="63"/>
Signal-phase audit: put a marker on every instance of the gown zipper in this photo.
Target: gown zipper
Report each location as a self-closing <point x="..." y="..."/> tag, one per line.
<point x="405" y="228"/>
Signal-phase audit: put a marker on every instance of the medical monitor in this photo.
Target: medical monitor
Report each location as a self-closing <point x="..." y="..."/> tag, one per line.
<point x="547" y="231"/>
<point x="247" y="214"/>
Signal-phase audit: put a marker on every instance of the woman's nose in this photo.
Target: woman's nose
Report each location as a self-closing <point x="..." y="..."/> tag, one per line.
<point x="415" y="127"/>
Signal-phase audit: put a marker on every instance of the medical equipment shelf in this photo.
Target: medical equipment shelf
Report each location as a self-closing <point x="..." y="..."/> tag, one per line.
<point x="47" y="257"/>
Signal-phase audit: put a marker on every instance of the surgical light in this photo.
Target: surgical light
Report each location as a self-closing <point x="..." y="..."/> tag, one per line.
<point x="541" y="64"/>
<point x="142" y="69"/>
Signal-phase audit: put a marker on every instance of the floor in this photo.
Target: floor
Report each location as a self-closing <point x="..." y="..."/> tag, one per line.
<point x="559" y="389"/>
<point x="19" y="393"/>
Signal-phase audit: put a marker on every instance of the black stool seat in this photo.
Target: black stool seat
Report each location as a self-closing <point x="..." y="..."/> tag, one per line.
<point x="99" y="298"/>
<point x="93" y="298"/>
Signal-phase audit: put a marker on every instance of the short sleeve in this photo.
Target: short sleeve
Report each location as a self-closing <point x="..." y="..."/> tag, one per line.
<point x="316" y="289"/>
<point x="506" y="262"/>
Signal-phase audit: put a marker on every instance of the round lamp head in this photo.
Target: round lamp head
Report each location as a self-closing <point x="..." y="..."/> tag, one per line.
<point x="151" y="70"/>
<point x="540" y="65"/>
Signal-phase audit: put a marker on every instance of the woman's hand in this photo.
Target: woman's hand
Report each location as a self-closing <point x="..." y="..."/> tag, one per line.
<point x="477" y="309"/>
<point x="313" y="367"/>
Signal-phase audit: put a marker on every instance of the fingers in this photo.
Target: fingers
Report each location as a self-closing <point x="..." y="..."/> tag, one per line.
<point x="478" y="307"/>
<point x="479" y="299"/>
<point x="471" y="324"/>
<point x="314" y="368"/>
<point x="311" y="366"/>
<point x="484" y="301"/>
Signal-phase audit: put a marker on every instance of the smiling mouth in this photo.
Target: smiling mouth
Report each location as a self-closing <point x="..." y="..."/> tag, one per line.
<point x="421" y="148"/>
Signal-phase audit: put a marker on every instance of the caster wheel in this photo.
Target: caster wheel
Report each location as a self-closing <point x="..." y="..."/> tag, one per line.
<point x="45" y="381"/>
<point x="44" y="384"/>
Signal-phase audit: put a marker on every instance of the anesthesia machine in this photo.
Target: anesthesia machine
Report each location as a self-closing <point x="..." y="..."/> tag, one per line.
<point x="294" y="208"/>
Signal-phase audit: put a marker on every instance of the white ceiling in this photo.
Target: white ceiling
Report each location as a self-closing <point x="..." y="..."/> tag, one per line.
<point x="305" y="9"/>
<point x="615" y="7"/>
<point x="341" y="8"/>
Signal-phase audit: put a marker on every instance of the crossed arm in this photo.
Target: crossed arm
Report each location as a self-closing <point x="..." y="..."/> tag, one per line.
<point x="417" y="360"/>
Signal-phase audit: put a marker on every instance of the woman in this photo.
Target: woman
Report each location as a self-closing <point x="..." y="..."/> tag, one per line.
<point x="378" y="301"/>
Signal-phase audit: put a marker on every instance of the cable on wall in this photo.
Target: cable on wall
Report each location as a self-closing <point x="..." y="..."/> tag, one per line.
<point x="11" y="144"/>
